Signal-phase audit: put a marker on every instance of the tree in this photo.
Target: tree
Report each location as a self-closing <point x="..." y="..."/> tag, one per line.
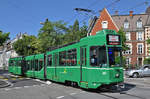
<point x="51" y="34"/>
<point x="83" y="31"/>
<point x="3" y="37"/>
<point x="123" y="40"/>
<point x="147" y="61"/>
<point x="28" y="45"/>
<point x="75" y="32"/>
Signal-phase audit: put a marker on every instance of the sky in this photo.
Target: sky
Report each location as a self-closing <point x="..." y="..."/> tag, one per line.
<point x="25" y="15"/>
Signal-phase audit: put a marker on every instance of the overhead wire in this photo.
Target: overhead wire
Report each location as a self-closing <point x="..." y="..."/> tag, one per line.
<point x="107" y="6"/>
<point x="89" y="6"/>
<point x="136" y="6"/>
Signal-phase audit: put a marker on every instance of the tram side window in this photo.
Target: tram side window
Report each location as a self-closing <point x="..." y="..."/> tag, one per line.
<point x="62" y="58"/>
<point x="40" y="64"/>
<point x="19" y="63"/>
<point x="28" y="65"/>
<point x="11" y="63"/>
<point x="72" y="57"/>
<point x="49" y="60"/>
<point x="36" y="65"/>
<point x="32" y="65"/>
<point x="98" y="56"/>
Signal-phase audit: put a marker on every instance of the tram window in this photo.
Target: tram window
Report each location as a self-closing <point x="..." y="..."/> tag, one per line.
<point x="98" y="56"/>
<point x="49" y="60"/>
<point x="114" y="56"/>
<point x="40" y="64"/>
<point x="11" y="63"/>
<point x="36" y="65"/>
<point x="72" y="57"/>
<point x="27" y="65"/>
<point x="32" y="65"/>
<point x="19" y="63"/>
<point x="62" y="58"/>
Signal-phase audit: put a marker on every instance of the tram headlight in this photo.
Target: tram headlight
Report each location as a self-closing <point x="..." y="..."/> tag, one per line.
<point x="117" y="75"/>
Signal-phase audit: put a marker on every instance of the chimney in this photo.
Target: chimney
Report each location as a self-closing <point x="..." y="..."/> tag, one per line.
<point x="131" y="13"/>
<point x="116" y="12"/>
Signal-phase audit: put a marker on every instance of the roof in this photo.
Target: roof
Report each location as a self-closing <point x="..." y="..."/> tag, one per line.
<point x="119" y="20"/>
<point x="148" y="21"/>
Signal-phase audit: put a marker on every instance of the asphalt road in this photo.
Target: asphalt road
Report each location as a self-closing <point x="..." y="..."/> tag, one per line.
<point x="59" y="91"/>
<point x="25" y="88"/>
<point x="19" y="81"/>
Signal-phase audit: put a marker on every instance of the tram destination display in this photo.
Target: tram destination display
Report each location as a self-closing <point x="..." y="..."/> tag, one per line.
<point x="113" y="39"/>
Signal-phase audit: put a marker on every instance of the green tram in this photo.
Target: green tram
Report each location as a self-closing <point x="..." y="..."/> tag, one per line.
<point x="92" y="62"/>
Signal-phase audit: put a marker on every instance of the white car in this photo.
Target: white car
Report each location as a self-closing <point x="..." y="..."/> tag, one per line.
<point x="140" y="72"/>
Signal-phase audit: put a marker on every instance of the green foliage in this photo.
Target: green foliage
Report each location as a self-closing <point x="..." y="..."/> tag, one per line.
<point x="51" y="34"/>
<point x="3" y="37"/>
<point x="123" y="37"/>
<point x="75" y="32"/>
<point x="117" y="61"/>
<point x="28" y="45"/>
<point x="54" y="34"/>
<point x="147" y="61"/>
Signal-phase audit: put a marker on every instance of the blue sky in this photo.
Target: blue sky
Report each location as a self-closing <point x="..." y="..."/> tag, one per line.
<point x="25" y="15"/>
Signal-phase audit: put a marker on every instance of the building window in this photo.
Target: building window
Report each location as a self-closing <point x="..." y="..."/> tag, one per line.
<point x="104" y="24"/>
<point x="126" y="25"/>
<point x="130" y="49"/>
<point x="139" y="36"/>
<point x="127" y="35"/>
<point x="140" y="61"/>
<point x="140" y="48"/>
<point x="139" y="24"/>
<point x="127" y="61"/>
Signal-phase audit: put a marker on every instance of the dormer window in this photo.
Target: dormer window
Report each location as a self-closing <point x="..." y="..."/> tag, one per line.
<point x="139" y="24"/>
<point x="126" y="25"/>
<point x="104" y="24"/>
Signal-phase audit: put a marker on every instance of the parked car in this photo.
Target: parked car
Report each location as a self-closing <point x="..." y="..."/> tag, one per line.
<point x="140" y="72"/>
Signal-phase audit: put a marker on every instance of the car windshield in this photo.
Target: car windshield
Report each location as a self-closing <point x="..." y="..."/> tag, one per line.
<point x="115" y="56"/>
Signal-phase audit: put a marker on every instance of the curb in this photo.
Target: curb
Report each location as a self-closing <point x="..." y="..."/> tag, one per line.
<point x="5" y="85"/>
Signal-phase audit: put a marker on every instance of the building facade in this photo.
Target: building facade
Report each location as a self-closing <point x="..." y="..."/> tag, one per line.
<point x="137" y="31"/>
<point x="7" y="51"/>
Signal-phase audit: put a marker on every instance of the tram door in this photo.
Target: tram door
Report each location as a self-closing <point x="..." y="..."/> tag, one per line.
<point x="55" y="64"/>
<point x="82" y="63"/>
<point x="23" y="66"/>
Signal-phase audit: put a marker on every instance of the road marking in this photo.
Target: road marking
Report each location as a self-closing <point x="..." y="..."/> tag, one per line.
<point x="47" y="82"/>
<point x="13" y="78"/>
<point x="28" y="78"/>
<point x="73" y="93"/>
<point x="35" y="85"/>
<point x="42" y="84"/>
<point x="26" y="86"/>
<point x="20" y="78"/>
<point x="5" y="79"/>
<point x="7" y="89"/>
<point x="82" y="92"/>
<point x="17" y="87"/>
<point x="60" y="97"/>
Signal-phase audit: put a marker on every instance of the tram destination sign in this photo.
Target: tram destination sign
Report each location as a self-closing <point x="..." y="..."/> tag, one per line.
<point x="113" y="39"/>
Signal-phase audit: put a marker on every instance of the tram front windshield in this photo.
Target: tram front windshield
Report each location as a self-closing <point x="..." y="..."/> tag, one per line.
<point x="114" y="55"/>
<point x="98" y="56"/>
